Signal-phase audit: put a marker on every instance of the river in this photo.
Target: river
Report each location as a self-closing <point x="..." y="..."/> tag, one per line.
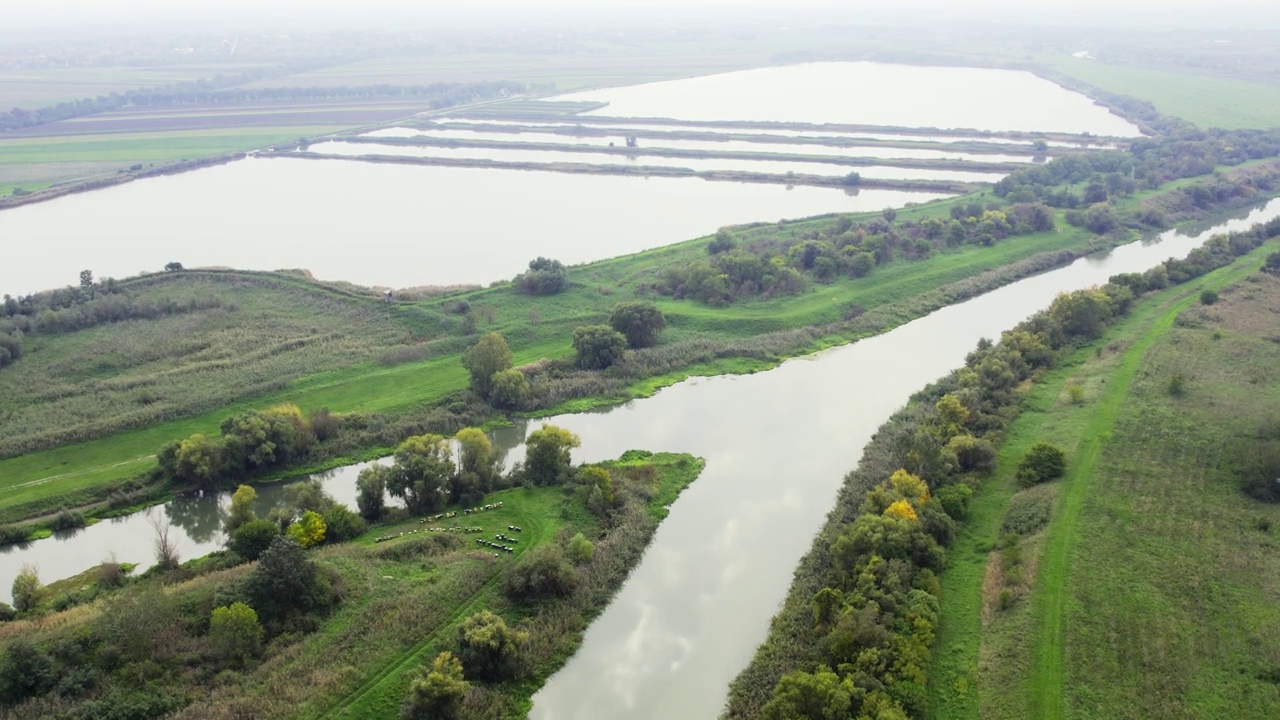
<point x="777" y="445"/>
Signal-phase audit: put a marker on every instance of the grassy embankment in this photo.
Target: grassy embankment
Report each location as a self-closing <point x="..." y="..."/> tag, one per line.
<point x="402" y="602"/>
<point x="353" y="380"/>
<point x="1205" y="100"/>
<point x="1152" y="590"/>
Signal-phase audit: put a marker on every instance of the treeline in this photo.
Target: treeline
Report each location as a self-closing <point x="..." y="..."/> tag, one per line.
<point x="214" y="91"/>
<point x="1147" y="164"/>
<point x="854" y="637"/>
<point x="774" y="266"/>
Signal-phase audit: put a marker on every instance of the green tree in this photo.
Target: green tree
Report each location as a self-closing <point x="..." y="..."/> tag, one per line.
<point x="1101" y="218"/>
<point x="285" y="583"/>
<point x="25" y="671"/>
<point x="26" y="589"/>
<point x="1042" y="463"/>
<point x="544" y="277"/>
<point x="598" y="346"/>
<point x="639" y="321"/>
<point x="489" y="356"/>
<point x="423" y="473"/>
<point x="547" y="455"/>
<point x="595" y="486"/>
<point x="253" y="538"/>
<point x="542" y="572"/>
<point x="477" y="466"/>
<point x="509" y="389"/>
<point x="309" y="530"/>
<point x="235" y="633"/>
<point x="371" y="489"/>
<point x="241" y="508"/>
<point x="489" y="648"/>
<point x="341" y="524"/>
<point x="804" y="696"/>
<point x="1082" y="313"/>
<point x="437" y="691"/>
<point x="198" y="459"/>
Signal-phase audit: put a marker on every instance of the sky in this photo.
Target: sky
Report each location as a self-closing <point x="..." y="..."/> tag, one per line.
<point x="117" y="15"/>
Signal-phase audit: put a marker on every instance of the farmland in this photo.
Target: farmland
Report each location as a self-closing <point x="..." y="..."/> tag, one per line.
<point x="1148" y="571"/>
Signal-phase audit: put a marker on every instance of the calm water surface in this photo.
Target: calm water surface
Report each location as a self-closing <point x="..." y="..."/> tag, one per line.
<point x="868" y="93"/>
<point x="389" y="225"/>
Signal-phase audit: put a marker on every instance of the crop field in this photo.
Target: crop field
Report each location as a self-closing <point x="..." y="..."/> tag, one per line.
<point x="1204" y="100"/>
<point x="40" y="87"/>
<point x="1155" y="576"/>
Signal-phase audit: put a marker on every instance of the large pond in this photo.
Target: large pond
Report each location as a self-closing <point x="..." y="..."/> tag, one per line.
<point x="378" y="224"/>
<point x="777" y="445"/>
<point x="868" y="93"/>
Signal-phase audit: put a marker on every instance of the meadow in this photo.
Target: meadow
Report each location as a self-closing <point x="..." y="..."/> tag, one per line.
<point x="1145" y="572"/>
<point x="1204" y="100"/>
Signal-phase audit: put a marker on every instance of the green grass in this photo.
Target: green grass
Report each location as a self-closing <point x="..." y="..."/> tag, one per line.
<point x="1030" y="661"/>
<point x="1201" y="99"/>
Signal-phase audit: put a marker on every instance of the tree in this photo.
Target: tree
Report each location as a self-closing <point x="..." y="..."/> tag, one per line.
<point x="639" y="321"/>
<point x="596" y="489"/>
<point x="1042" y="463"/>
<point x="437" y="692"/>
<point x="285" y="583"/>
<point x="25" y="671"/>
<point x="1101" y="218"/>
<point x="509" y="389"/>
<point x="598" y="346"/>
<point x="86" y="281"/>
<point x="241" y="508"/>
<point x="198" y="459"/>
<point x="166" y="546"/>
<point x="423" y="473"/>
<point x="341" y="524"/>
<point x="547" y="459"/>
<point x="309" y="530"/>
<point x="487" y="647"/>
<point x="371" y="488"/>
<point x="803" y="696"/>
<point x="722" y="242"/>
<point x="26" y="589"/>
<point x="235" y="633"/>
<point x="173" y="267"/>
<point x="477" y="466"/>
<point x="483" y="360"/>
<point x="544" y="277"/>
<point x="253" y="538"/>
<point x="1082" y="313"/>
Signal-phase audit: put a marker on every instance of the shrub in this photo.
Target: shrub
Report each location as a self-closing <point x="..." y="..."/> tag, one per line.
<point x="1042" y="463"/>
<point x="544" y="277"/>
<point x="955" y="500"/>
<point x="509" y="389"/>
<point x="1075" y="391"/>
<point x="25" y="671"/>
<point x="581" y="549"/>
<point x="542" y="572"/>
<point x="67" y="520"/>
<point x="598" y="346"/>
<point x="7" y="613"/>
<point x="487" y="357"/>
<point x="309" y="530"/>
<point x="487" y="647"/>
<point x="1005" y="601"/>
<point x="547" y="460"/>
<point x="235" y="633"/>
<point x="286" y="583"/>
<point x="253" y="538"/>
<point x="436" y="693"/>
<point x="1028" y="511"/>
<point x="1208" y="297"/>
<point x="1176" y="385"/>
<point x="10" y="534"/>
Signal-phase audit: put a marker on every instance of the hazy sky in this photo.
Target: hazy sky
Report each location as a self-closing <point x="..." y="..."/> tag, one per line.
<point x="17" y="15"/>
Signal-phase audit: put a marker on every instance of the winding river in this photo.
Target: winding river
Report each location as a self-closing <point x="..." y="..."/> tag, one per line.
<point x="777" y="445"/>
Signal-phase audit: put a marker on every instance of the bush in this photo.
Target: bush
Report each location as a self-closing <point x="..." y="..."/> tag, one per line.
<point x="490" y="355"/>
<point x="235" y="633"/>
<point x="26" y="589"/>
<point x="598" y="346"/>
<point x="253" y="538"/>
<point x="25" y="671"/>
<point x="309" y="530"/>
<point x="509" y="389"/>
<point x="544" y="277"/>
<point x="437" y="692"/>
<point x="955" y="500"/>
<point x="1176" y="385"/>
<point x="67" y="520"/>
<point x="581" y="549"/>
<point x="1028" y="511"/>
<point x="10" y="535"/>
<point x="286" y="583"/>
<point x="7" y="613"/>
<point x="1042" y="463"/>
<point x="1075" y="391"/>
<point x="1208" y="297"/>
<point x="487" y="647"/>
<point x="542" y="572"/>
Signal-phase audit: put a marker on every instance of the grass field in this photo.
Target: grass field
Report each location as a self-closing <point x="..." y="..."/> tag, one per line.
<point x="1152" y="592"/>
<point x="1201" y="99"/>
<point x="313" y="377"/>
